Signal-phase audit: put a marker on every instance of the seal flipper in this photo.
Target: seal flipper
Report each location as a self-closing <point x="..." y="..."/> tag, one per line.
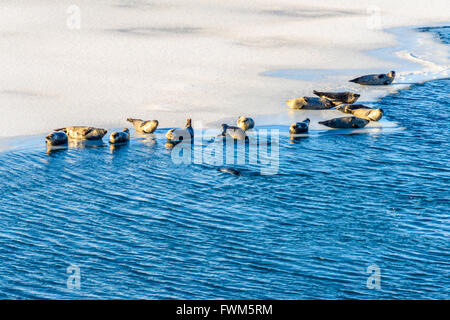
<point x="317" y="93"/>
<point x="87" y="131"/>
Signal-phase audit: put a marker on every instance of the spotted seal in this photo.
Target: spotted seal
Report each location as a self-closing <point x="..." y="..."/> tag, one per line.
<point x="299" y="127"/>
<point x="375" y="79"/>
<point x="120" y="137"/>
<point x="56" y="138"/>
<point x="83" y="133"/>
<point x="177" y="135"/>
<point x="144" y="126"/>
<point x="345" y="123"/>
<point x="310" y="103"/>
<point x="245" y="123"/>
<point x="338" y="98"/>
<point x="362" y="112"/>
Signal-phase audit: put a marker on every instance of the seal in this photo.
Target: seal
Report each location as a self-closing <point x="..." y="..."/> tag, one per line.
<point x="310" y="103"/>
<point x="56" y="138"/>
<point x="338" y="98"/>
<point x="178" y="135"/>
<point x="84" y="133"/>
<point x="120" y="137"/>
<point x="245" y="123"/>
<point x="299" y="127"/>
<point x="170" y="144"/>
<point x="349" y="108"/>
<point x="345" y="123"/>
<point x="375" y="79"/>
<point x="144" y="126"/>
<point x="363" y="112"/>
<point x="234" y="132"/>
<point x="230" y="171"/>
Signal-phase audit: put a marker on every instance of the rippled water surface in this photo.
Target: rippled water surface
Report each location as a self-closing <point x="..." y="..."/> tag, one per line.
<point x="140" y="226"/>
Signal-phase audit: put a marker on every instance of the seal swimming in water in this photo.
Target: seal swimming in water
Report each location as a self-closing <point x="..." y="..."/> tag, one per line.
<point x="177" y="135"/>
<point x="375" y="79"/>
<point x="230" y="171"/>
<point x="245" y="123"/>
<point x="120" y="137"/>
<point x="363" y="112"/>
<point x="299" y="127"/>
<point x="338" y="98"/>
<point x="56" y="138"/>
<point x="234" y="132"/>
<point x="144" y="126"/>
<point x="84" y="133"/>
<point x="310" y="103"/>
<point x="345" y="123"/>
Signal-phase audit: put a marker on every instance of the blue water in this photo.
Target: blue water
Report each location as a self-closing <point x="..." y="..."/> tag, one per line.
<point x="443" y="33"/>
<point x="141" y="227"/>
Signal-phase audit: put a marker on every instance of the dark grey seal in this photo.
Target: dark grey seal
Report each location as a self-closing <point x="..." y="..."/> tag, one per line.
<point x="375" y="79"/>
<point x="120" y="137"/>
<point x="338" y="98"/>
<point x="57" y="138"/>
<point x="310" y="103"/>
<point x="345" y="123"/>
<point x="245" y="123"/>
<point x="84" y="133"/>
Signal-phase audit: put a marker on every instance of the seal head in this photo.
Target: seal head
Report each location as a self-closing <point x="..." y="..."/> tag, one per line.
<point x="144" y="126"/>
<point x="375" y="79"/>
<point x="120" y="137"/>
<point x="84" y="133"/>
<point x="299" y="127"/>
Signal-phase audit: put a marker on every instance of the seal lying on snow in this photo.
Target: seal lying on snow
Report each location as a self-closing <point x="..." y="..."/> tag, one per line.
<point x="338" y="98"/>
<point x="245" y="123"/>
<point x="363" y="112"/>
<point x="178" y="135"/>
<point x="375" y="79"/>
<point x="299" y="127"/>
<point x="84" y="133"/>
<point x="144" y="126"/>
<point x="57" y="138"/>
<point x="345" y="123"/>
<point x="233" y="132"/>
<point x="310" y="103"/>
<point x="120" y="137"/>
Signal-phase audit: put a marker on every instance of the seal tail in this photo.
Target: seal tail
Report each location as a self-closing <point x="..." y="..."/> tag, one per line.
<point x="130" y="120"/>
<point x="354" y="80"/>
<point x="318" y="93"/>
